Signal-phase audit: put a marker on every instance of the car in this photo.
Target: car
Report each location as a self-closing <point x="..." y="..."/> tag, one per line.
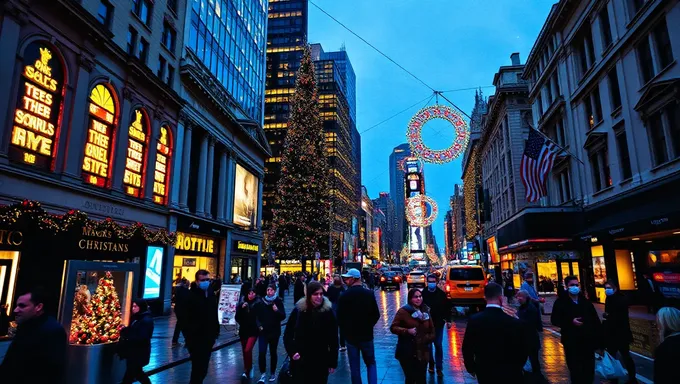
<point x="464" y="285"/>
<point x="390" y="279"/>
<point x="398" y="270"/>
<point x="416" y="279"/>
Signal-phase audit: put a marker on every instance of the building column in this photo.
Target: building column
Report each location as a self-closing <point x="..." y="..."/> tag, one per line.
<point x="122" y="134"/>
<point x="209" y="177"/>
<point x="72" y="150"/>
<point x="202" y="165"/>
<point x="222" y="187"/>
<point x="186" y="167"/>
<point x="151" y="155"/>
<point x="231" y="173"/>
<point x="176" y="161"/>
<point x="260" y="187"/>
<point x="10" y="31"/>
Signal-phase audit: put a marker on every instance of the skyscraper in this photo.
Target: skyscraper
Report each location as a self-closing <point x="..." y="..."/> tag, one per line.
<point x="385" y="203"/>
<point x="399" y="153"/>
<point x="286" y="37"/>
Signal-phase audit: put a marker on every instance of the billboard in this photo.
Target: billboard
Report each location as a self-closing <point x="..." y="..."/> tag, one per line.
<point x="152" y="275"/>
<point x="417" y="239"/>
<point x="245" y="197"/>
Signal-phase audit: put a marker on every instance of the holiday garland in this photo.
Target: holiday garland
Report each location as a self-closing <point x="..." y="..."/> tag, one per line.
<point x="32" y="212"/>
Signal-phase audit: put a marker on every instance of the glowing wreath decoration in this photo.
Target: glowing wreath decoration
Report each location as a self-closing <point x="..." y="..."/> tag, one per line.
<point x="414" y="134"/>
<point x="415" y="211"/>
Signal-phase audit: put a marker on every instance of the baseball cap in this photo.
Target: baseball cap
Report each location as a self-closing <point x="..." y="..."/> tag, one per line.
<point x="353" y="273"/>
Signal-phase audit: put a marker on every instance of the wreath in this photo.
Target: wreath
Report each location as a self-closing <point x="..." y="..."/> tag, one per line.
<point x="414" y="134"/>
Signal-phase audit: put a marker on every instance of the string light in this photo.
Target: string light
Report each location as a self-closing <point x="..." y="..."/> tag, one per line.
<point x="418" y="147"/>
<point x="471" y="181"/>
<point x="415" y="208"/>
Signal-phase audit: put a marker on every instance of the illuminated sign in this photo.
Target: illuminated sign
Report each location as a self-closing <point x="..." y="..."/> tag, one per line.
<point x="39" y="105"/>
<point x="154" y="270"/>
<point x="98" y="144"/>
<point x="133" y="178"/>
<point x="161" y="170"/>
<point x="245" y="247"/>
<point x="194" y="243"/>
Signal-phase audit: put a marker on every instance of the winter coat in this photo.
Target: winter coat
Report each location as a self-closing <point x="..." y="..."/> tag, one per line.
<point x="299" y="290"/>
<point x="37" y="353"/>
<point x="268" y="320"/>
<point x="440" y="307"/>
<point x="666" y="358"/>
<point x="181" y="301"/>
<point x="247" y="318"/>
<point x="531" y="318"/>
<point x="409" y="347"/>
<point x="202" y="325"/>
<point x="261" y="288"/>
<point x="586" y="337"/>
<point x="135" y="344"/>
<point x="616" y="325"/>
<point x="313" y="333"/>
<point x="357" y="314"/>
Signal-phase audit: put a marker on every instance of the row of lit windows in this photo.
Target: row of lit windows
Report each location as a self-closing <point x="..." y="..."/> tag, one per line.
<point x="283" y="49"/>
<point x="280" y="91"/>
<point x="284" y="14"/>
<point x="277" y="99"/>
<point x="273" y="160"/>
<point x="275" y="125"/>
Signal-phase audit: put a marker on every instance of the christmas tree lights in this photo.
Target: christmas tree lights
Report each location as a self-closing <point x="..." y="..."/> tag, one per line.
<point x="471" y="181"/>
<point x="96" y="320"/>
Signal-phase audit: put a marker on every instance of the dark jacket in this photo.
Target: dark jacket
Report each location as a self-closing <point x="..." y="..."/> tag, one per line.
<point x="247" y="318"/>
<point x="135" y="345"/>
<point x="202" y="326"/>
<point x="666" y="358"/>
<point x="357" y="314"/>
<point x="298" y="290"/>
<point x="37" y="353"/>
<point x="268" y="320"/>
<point x="588" y="336"/>
<point x="410" y="347"/>
<point x="181" y="301"/>
<point x="489" y="332"/>
<point x="313" y="333"/>
<point x="531" y="318"/>
<point x="333" y="293"/>
<point x="261" y="288"/>
<point x="617" y="323"/>
<point x="440" y="307"/>
<point x="283" y="283"/>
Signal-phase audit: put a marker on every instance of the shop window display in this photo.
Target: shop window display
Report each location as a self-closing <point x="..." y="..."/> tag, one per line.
<point x="97" y="318"/>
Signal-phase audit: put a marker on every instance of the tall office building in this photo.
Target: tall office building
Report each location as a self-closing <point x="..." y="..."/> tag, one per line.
<point x="286" y="37"/>
<point x="399" y="153"/>
<point x="386" y="205"/>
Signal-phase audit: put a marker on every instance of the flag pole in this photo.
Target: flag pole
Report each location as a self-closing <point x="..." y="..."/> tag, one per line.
<point x="552" y="141"/>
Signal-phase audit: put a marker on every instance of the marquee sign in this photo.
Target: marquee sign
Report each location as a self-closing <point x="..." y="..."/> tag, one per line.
<point x="39" y="105"/>
<point x="195" y="243"/>
<point x="98" y="143"/>
<point x="133" y="178"/>
<point x="246" y="247"/>
<point x="161" y="171"/>
<point x="414" y="134"/>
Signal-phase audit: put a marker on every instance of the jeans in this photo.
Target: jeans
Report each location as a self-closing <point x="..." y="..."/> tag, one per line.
<point x="273" y="343"/>
<point x="200" y="361"/>
<point x="247" y="345"/>
<point x="414" y="371"/>
<point x="368" y="352"/>
<point x="437" y="358"/>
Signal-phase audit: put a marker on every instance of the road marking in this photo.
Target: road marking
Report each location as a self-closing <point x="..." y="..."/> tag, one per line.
<point x="638" y="376"/>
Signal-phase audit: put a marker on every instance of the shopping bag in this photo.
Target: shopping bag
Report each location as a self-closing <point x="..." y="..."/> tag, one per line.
<point x="608" y="367"/>
<point x="527" y="366"/>
<point x="285" y="374"/>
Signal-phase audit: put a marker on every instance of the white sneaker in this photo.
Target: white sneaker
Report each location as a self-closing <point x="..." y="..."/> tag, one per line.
<point x="343" y="349"/>
<point x="244" y="376"/>
<point x="262" y="378"/>
<point x="272" y="378"/>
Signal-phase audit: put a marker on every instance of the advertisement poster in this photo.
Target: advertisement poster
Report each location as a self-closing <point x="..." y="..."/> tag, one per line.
<point x="599" y="271"/>
<point x="245" y="197"/>
<point x="152" y="276"/>
<point x="226" y="308"/>
<point x="417" y="239"/>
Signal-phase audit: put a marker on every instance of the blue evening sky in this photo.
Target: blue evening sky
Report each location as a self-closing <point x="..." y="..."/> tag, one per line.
<point x="449" y="44"/>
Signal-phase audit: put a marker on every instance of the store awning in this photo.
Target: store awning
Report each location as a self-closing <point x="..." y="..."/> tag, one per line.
<point x="539" y="225"/>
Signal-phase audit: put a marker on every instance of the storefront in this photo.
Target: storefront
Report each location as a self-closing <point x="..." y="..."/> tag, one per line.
<point x="244" y="256"/>
<point x="200" y="245"/>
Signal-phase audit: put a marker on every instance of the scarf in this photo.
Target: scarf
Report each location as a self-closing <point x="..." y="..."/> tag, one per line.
<point x="269" y="300"/>
<point x="417" y="313"/>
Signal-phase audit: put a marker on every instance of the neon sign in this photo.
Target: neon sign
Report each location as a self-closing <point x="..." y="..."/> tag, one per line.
<point x="39" y="105"/>
<point x="133" y="178"/>
<point x="160" y="176"/>
<point x="96" y="170"/>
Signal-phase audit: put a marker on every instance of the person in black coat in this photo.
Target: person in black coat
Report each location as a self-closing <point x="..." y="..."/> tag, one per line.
<point x="531" y="317"/>
<point x="333" y="294"/>
<point x="311" y="338"/>
<point x="270" y="313"/>
<point x="38" y="351"/>
<point x="581" y="331"/>
<point x="299" y="289"/>
<point x="261" y="287"/>
<point x="440" y="311"/>
<point x="667" y="354"/>
<point x="283" y="286"/>
<point x="246" y="317"/>
<point x="616" y="325"/>
<point x="202" y="326"/>
<point x="136" y="343"/>
<point x="181" y="299"/>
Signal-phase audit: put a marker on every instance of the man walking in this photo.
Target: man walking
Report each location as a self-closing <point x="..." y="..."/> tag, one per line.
<point x="528" y="313"/>
<point x="38" y="351"/>
<point x="333" y="294"/>
<point x="580" y="328"/>
<point x="528" y="287"/>
<point x="357" y="315"/>
<point x="492" y="331"/>
<point x="202" y="326"/>
<point x="440" y="313"/>
<point x="181" y="302"/>
<point x="299" y="289"/>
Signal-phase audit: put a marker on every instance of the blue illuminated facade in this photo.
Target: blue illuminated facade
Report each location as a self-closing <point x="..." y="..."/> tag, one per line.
<point x="229" y="38"/>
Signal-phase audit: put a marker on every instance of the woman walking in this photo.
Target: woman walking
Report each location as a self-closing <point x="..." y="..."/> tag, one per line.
<point x="270" y="313"/>
<point x="667" y="354"/>
<point x="415" y="329"/>
<point x="617" y="333"/>
<point x="246" y="318"/>
<point x="311" y="337"/>
<point x="136" y="343"/>
<point x="333" y="294"/>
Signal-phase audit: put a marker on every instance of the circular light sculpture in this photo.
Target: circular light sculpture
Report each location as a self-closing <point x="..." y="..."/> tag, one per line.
<point x="415" y="211"/>
<point x="414" y="134"/>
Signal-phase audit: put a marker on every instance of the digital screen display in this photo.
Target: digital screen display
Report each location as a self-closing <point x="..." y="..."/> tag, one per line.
<point x="135" y="157"/>
<point x="153" y="273"/>
<point x="160" y="175"/>
<point x="96" y="170"/>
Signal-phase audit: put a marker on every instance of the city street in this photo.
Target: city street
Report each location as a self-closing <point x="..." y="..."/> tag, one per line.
<point x="226" y="364"/>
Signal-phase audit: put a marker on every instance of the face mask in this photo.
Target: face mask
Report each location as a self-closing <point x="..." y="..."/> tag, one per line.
<point x="609" y="291"/>
<point x="204" y="285"/>
<point x="431" y="286"/>
<point x="574" y="290"/>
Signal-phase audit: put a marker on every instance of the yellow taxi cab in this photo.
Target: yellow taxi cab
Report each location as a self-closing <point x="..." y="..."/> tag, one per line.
<point x="464" y="285"/>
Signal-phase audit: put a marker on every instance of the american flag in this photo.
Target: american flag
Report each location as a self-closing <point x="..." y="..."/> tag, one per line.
<point x="537" y="161"/>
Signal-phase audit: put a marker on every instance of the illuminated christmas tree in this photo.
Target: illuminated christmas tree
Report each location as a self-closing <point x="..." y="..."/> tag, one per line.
<point x="302" y="211"/>
<point x="99" y="320"/>
<point x="82" y="328"/>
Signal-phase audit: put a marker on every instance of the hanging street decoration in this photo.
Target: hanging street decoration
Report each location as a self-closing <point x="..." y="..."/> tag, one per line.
<point x="414" y="134"/>
<point x="434" y="259"/>
<point x="415" y="211"/>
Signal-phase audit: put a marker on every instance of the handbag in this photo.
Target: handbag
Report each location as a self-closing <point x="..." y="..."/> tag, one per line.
<point x="608" y="367"/>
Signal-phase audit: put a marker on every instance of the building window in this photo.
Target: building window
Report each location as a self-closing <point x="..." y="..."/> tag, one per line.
<point x="143" y="9"/>
<point x="564" y="185"/>
<point x="172" y="5"/>
<point x="655" y="53"/>
<point x="100" y="135"/>
<point x="624" y="155"/>
<point x="105" y="13"/>
<point x="599" y="166"/>
<point x="131" y="41"/>
<point x="636" y="6"/>
<point x="646" y="61"/>
<point x="614" y="90"/>
<point x="663" y="45"/>
<point x="171" y="75"/>
<point x="593" y="107"/>
<point x="605" y="28"/>
<point x="143" y="51"/>
<point x="539" y="104"/>
<point x="585" y="51"/>
<point x="162" y="64"/>
<point x="661" y="125"/>
<point x="169" y="36"/>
